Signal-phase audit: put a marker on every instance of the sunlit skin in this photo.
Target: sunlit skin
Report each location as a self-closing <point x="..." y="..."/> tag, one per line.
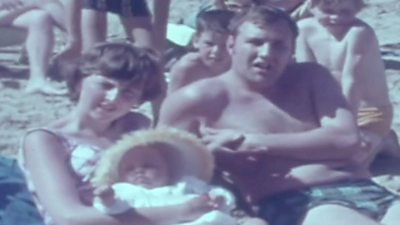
<point x="348" y="47"/>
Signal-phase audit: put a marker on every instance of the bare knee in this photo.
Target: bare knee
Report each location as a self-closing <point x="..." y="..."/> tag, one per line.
<point x="39" y="20"/>
<point x="332" y="214"/>
<point x="392" y="216"/>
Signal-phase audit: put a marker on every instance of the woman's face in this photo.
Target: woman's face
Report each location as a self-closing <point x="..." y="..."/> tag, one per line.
<point x="108" y="99"/>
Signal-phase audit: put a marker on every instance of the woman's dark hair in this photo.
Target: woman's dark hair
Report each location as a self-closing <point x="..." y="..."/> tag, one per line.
<point x="122" y="62"/>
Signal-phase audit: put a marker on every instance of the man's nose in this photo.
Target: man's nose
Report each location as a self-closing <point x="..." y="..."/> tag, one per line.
<point x="112" y="94"/>
<point x="265" y="50"/>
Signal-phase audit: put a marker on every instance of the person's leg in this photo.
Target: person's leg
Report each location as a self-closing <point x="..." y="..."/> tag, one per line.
<point x="335" y="214"/>
<point x="139" y="30"/>
<point x="94" y="28"/>
<point x="39" y="44"/>
<point x="392" y="216"/>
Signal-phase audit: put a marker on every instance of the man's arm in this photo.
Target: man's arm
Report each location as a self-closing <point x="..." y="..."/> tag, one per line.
<point x="181" y="72"/>
<point x="179" y="110"/>
<point x="335" y="138"/>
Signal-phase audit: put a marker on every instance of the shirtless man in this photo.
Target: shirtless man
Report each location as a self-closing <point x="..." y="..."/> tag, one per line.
<point x="282" y="131"/>
<point x="348" y="47"/>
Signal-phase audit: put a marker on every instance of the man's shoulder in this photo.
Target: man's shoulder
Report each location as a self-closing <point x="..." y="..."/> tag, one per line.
<point x="200" y="91"/>
<point x="188" y="65"/>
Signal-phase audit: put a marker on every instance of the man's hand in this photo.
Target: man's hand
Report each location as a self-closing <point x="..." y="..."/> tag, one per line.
<point x="218" y="139"/>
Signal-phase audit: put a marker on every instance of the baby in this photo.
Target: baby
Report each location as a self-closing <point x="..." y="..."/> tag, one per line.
<point x="162" y="169"/>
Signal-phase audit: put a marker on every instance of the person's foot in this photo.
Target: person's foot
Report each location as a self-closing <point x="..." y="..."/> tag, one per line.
<point x="391" y="145"/>
<point x="45" y="89"/>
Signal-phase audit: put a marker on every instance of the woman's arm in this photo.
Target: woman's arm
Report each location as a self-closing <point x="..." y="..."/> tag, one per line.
<point x="55" y="185"/>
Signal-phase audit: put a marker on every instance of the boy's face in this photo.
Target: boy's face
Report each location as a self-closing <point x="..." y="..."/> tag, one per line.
<point x="339" y="12"/>
<point x="238" y="6"/>
<point x="144" y="167"/>
<point x="212" y="48"/>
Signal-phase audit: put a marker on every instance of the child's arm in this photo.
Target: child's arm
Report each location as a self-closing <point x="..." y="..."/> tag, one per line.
<point x="303" y="51"/>
<point x="361" y="39"/>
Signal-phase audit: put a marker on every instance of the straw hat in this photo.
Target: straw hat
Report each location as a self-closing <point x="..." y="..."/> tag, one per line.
<point x="186" y="154"/>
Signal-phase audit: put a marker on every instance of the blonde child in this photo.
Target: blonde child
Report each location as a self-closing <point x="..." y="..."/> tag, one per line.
<point x="211" y="57"/>
<point x="348" y="47"/>
<point x="164" y="169"/>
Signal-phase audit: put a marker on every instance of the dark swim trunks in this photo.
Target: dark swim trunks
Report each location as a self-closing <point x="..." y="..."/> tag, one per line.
<point x="365" y="196"/>
<point x="124" y="8"/>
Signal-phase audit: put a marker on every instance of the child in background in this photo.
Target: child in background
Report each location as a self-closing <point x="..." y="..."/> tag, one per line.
<point x="348" y="47"/>
<point x="211" y="57"/>
<point x="165" y="169"/>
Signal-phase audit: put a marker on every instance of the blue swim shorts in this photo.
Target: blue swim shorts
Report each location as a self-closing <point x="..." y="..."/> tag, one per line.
<point x="289" y="208"/>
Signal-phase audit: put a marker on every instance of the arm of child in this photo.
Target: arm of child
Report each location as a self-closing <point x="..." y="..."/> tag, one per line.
<point x="303" y="52"/>
<point x="358" y="46"/>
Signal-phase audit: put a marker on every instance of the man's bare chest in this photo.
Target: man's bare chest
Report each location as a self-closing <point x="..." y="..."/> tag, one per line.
<point x="288" y="114"/>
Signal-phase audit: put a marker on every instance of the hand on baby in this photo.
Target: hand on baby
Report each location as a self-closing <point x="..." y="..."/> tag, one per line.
<point x="106" y="194"/>
<point x="198" y="206"/>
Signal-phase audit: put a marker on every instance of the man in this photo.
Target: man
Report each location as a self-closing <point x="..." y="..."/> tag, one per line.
<point x="282" y="131"/>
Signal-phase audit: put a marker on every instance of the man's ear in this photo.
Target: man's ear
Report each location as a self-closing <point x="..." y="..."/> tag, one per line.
<point x="229" y="44"/>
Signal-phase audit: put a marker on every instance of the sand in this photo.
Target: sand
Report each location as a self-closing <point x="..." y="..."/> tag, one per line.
<point x="20" y="111"/>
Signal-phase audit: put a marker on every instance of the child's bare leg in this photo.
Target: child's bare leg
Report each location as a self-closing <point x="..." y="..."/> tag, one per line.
<point x="139" y="30"/>
<point x="39" y="44"/>
<point x="336" y="214"/>
<point x="94" y="28"/>
<point x="56" y="10"/>
<point x="392" y="216"/>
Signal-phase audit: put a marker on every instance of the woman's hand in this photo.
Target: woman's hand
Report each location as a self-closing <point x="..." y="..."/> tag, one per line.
<point x="199" y="206"/>
<point x="106" y="194"/>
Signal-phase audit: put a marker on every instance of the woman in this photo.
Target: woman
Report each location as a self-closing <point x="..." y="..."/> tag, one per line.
<point x="108" y="82"/>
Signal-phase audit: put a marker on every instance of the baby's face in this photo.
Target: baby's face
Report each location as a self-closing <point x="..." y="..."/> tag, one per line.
<point x="144" y="167"/>
<point x="336" y="12"/>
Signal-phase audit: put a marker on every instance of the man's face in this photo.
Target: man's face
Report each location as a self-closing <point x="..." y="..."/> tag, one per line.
<point x="260" y="53"/>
